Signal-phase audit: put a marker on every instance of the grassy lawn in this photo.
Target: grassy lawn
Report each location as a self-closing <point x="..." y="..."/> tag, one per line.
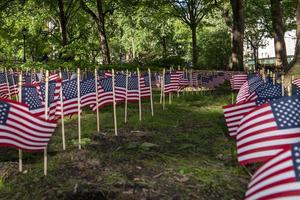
<point x="180" y="153"/>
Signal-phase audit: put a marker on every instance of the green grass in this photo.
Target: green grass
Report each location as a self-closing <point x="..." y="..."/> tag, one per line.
<point x="182" y="152"/>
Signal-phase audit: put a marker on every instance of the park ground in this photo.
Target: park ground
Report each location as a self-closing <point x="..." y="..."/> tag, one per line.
<point x="180" y="153"/>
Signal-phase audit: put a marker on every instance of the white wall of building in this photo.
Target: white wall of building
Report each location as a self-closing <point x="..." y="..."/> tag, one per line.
<point x="268" y="51"/>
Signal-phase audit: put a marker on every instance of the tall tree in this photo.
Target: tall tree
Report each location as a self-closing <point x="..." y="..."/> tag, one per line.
<point x="237" y="34"/>
<point x="279" y="31"/>
<point x="99" y="18"/>
<point x="296" y="66"/>
<point x="191" y="12"/>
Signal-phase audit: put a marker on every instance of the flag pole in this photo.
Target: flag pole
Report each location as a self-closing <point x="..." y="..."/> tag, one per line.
<point x="151" y="96"/>
<point x="282" y="85"/>
<point x="8" y="89"/>
<point x="126" y="97"/>
<point x="79" y="108"/>
<point x="140" y="99"/>
<point x="46" y="117"/>
<point x="62" y="114"/>
<point x="170" y="93"/>
<point x="13" y="82"/>
<point x="163" y="89"/>
<point x="97" y="103"/>
<point x="114" y="102"/>
<point x="20" y="100"/>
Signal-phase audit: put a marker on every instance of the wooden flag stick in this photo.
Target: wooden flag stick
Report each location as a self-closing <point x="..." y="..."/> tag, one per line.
<point x="79" y="108"/>
<point x="62" y="115"/>
<point x="163" y="89"/>
<point x="46" y="117"/>
<point x="114" y="102"/>
<point x="126" y="98"/>
<point x="140" y="98"/>
<point x="8" y="89"/>
<point x="282" y="85"/>
<point x="151" y="96"/>
<point x="97" y="103"/>
<point x="13" y="82"/>
<point x="170" y="93"/>
<point x="20" y="100"/>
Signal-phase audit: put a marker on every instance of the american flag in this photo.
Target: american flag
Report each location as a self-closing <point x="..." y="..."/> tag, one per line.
<point x="234" y="113"/>
<point x="19" y="128"/>
<point x="296" y="81"/>
<point x="171" y="82"/>
<point x="105" y="91"/>
<point x="54" y="87"/>
<point x="266" y="89"/>
<point x="133" y="88"/>
<point x="194" y="82"/>
<point x="145" y="86"/>
<point x="87" y="92"/>
<point x="32" y="98"/>
<point x="27" y="77"/>
<point x="120" y="86"/>
<point x="278" y="178"/>
<point x="183" y="80"/>
<point x="53" y="76"/>
<point x="267" y="129"/>
<point x="246" y="91"/>
<point x="4" y="89"/>
<point x="13" y="83"/>
<point x="70" y="100"/>
<point x="238" y="81"/>
<point x="206" y="82"/>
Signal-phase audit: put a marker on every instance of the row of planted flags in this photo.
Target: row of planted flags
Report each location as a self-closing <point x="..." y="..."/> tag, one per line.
<point x="265" y="122"/>
<point x="31" y="103"/>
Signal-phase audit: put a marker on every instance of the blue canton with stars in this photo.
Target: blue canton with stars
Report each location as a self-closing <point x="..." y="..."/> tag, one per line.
<point x="106" y="84"/>
<point x="31" y="97"/>
<point x="146" y="80"/>
<point x="254" y="83"/>
<point x="27" y="78"/>
<point x="69" y="89"/>
<point x="4" y="110"/>
<point x="51" y="90"/>
<point x="2" y="78"/>
<point x="120" y="80"/>
<point x="270" y="92"/>
<point x="87" y="86"/>
<point x="133" y="83"/>
<point x="167" y="78"/>
<point x="295" y="148"/>
<point x="287" y="112"/>
<point x="205" y="79"/>
<point x="295" y="90"/>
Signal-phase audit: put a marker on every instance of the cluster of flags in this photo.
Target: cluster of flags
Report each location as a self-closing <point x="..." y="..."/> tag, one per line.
<point x="31" y="103"/>
<point x="265" y="122"/>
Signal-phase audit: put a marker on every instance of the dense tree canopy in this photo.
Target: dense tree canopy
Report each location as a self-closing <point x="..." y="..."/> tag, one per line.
<point x="196" y="33"/>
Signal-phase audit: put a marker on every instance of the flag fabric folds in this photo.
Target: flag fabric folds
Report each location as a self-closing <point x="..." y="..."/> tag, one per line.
<point x="267" y="129"/>
<point x="21" y="129"/>
<point x="278" y="178"/>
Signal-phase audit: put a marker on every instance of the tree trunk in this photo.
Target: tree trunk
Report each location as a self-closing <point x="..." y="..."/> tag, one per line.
<point x="296" y="66"/>
<point x="164" y="46"/>
<point x="194" y="45"/>
<point x="102" y="34"/>
<point x="255" y="54"/>
<point x="278" y="27"/>
<point x="63" y="23"/>
<point x="237" y="34"/>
